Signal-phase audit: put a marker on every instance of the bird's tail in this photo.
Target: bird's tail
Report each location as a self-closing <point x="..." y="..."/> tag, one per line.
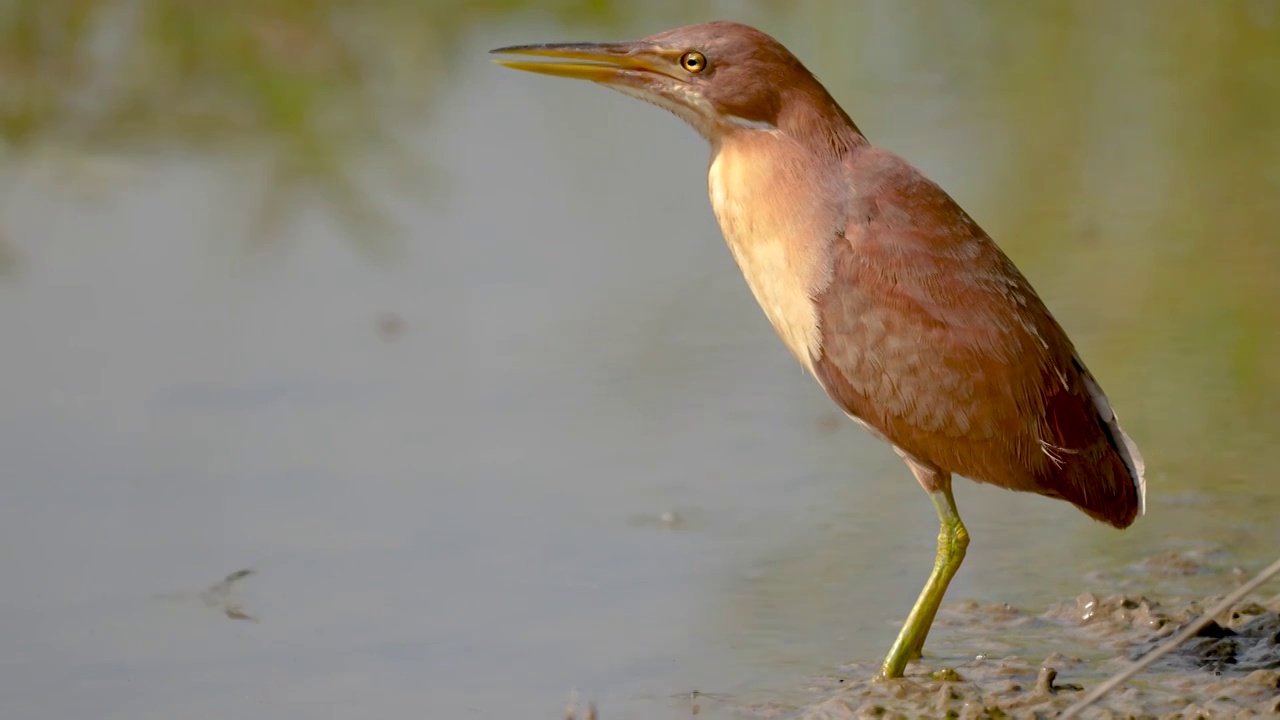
<point x="1117" y="491"/>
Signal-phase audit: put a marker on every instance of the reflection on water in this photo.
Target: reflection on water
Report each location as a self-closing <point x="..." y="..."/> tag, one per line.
<point x="547" y="441"/>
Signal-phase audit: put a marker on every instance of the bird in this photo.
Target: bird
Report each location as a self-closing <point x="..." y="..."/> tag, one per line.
<point x="892" y="297"/>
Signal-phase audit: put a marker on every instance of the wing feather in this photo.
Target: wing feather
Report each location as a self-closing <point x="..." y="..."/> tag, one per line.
<point x="935" y="340"/>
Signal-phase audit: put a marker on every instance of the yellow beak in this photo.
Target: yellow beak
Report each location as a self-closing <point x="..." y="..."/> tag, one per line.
<point x="598" y="62"/>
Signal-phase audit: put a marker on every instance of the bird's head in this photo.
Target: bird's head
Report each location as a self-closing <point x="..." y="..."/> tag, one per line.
<point x="719" y="77"/>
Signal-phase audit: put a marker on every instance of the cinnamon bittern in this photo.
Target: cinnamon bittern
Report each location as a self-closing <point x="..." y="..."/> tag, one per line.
<point x="905" y="311"/>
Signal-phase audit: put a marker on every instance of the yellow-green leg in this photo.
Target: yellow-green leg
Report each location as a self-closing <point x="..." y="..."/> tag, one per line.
<point x="953" y="540"/>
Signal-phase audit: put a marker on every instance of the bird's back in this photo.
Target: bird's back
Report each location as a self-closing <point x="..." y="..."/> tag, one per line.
<point x="933" y="338"/>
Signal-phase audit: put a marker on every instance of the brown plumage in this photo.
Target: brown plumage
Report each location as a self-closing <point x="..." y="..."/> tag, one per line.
<point x="899" y="304"/>
<point x="933" y="338"/>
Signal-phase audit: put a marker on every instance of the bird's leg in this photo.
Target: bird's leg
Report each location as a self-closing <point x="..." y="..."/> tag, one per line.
<point x="953" y="539"/>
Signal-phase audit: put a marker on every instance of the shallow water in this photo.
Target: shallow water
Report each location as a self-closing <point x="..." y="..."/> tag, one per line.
<point x="460" y="513"/>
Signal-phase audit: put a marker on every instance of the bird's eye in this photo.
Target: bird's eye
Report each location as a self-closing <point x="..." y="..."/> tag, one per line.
<point x="694" y="62"/>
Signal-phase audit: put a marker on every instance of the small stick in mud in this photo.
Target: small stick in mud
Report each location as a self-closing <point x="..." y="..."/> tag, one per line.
<point x="1188" y="632"/>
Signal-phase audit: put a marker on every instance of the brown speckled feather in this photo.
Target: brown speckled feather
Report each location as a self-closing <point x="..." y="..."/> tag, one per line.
<point x="933" y="338"/>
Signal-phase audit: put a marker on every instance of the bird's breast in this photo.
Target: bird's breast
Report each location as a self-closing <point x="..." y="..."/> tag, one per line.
<point x="778" y="226"/>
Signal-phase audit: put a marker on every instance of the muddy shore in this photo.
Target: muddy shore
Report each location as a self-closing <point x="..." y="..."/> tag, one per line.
<point x="1231" y="669"/>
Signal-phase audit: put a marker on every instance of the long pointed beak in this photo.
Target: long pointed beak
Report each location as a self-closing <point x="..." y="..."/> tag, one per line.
<point x="598" y="62"/>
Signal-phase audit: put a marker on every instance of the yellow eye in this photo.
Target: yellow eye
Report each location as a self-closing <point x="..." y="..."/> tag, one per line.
<point x="694" y="62"/>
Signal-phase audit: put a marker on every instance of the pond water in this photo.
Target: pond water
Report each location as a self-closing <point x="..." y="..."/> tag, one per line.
<point x="532" y="434"/>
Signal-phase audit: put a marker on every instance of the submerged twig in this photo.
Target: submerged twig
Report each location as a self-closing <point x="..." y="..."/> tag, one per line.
<point x="218" y="595"/>
<point x="1188" y="632"/>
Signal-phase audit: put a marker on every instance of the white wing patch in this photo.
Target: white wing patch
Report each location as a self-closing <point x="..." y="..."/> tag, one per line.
<point x="1128" y="449"/>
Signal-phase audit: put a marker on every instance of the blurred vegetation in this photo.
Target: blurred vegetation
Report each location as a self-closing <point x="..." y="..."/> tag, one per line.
<point x="311" y="87"/>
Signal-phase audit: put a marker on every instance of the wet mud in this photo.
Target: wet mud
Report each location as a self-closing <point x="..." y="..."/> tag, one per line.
<point x="1231" y="669"/>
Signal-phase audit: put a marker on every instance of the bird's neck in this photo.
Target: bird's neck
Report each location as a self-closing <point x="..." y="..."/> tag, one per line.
<point x="810" y="116"/>
<point x="804" y="112"/>
<point x="778" y="206"/>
